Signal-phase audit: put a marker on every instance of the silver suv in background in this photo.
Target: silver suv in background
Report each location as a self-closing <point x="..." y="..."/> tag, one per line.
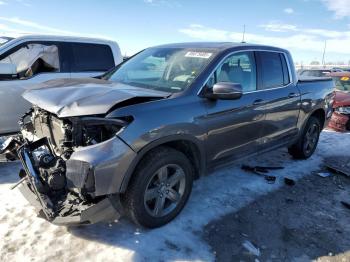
<point x="32" y="59"/>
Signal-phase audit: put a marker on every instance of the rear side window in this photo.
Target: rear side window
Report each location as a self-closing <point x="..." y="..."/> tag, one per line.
<point x="271" y="69"/>
<point x="286" y="79"/>
<point x="91" y="57"/>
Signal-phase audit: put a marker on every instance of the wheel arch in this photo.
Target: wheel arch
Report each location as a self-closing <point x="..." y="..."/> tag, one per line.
<point x="186" y="144"/>
<point x="319" y="113"/>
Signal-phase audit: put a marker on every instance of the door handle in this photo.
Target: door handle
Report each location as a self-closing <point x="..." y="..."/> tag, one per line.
<point x="291" y="95"/>
<point x="258" y="102"/>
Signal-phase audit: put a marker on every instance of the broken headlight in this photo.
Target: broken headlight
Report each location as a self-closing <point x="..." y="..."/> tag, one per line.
<point x="343" y="110"/>
<point x="95" y="130"/>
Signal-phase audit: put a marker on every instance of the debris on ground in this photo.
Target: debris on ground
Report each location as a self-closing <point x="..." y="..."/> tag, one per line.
<point x="345" y="204"/>
<point x="324" y="174"/>
<point x="251" y="248"/>
<point x="289" y="182"/>
<point x="261" y="171"/>
<point x="339" y="164"/>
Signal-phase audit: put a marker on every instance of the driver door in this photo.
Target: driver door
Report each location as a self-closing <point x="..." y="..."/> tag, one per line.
<point x="235" y="126"/>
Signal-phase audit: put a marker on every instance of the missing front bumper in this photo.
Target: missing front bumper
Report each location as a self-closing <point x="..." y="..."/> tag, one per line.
<point x="69" y="212"/>
<point x="105" y="210"/>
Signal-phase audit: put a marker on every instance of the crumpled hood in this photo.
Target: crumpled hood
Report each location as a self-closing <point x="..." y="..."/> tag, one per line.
<point x="86" y="96"/>
<point x="341" y="99"/>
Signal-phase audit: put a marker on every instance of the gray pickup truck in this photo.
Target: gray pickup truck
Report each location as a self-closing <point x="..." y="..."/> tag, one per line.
<point x="133" y="141"/>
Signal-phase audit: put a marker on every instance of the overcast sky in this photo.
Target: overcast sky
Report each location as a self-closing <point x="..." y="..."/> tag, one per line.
<point x="302" y="26"/>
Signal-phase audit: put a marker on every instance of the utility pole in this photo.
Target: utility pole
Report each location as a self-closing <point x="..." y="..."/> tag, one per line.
<point x="243" y="40"/>
<point x="324" y="53"/>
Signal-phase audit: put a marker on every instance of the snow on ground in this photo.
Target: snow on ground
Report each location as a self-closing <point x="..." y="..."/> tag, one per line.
<point x="24" y="236"/>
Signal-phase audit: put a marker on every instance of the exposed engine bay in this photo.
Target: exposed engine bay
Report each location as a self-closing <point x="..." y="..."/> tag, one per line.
<point x="44" y="147"/>
<point x="67" y="133"/>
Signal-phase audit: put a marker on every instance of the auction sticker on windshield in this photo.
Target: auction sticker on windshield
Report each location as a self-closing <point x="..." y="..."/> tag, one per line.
<point x="198" y="54"/>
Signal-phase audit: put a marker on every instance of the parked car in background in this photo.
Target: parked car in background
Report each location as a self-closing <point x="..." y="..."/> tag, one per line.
<point x="313" y="72"/>
<point x="33" y="59"/>
<point x="4" y="40"/>
<point x="133" y="142"/>
<point x="337" y="69"/>
<point x="340" y="120"/>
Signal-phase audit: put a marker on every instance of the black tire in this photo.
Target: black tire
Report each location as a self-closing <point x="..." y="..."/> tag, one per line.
<point x="300" y="150"/>
<point x="147" y="178"/>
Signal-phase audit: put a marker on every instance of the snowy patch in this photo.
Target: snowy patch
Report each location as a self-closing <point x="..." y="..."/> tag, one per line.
<point x="26" y="237"/>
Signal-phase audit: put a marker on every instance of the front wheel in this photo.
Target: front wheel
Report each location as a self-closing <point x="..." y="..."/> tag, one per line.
<point x="160" y="188"/>
<point x="307" y="143"/>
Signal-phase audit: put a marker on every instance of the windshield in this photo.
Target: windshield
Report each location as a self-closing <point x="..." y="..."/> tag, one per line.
<point x="166" y="69"/>
<point x="4" y="40"/>
<point x="342" y="83"/>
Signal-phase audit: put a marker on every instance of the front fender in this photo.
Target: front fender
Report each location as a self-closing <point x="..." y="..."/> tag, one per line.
<point x="107" y="161"/>
<point x="162" y="141"/>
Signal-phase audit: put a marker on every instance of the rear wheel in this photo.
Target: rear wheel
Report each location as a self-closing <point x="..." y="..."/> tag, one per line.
<point x="307" y="143"/>
<point x="160" y="188"/>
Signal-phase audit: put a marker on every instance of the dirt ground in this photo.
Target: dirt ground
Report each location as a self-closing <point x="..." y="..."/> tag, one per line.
<point x="295" y="223"/>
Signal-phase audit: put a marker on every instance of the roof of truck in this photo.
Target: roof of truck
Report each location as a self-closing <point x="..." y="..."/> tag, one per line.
<point x="218" y="45"/>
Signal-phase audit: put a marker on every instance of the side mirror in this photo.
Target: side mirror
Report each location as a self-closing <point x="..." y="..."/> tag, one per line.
<point x="225" y="91"/>
<point x="8" y="71"/>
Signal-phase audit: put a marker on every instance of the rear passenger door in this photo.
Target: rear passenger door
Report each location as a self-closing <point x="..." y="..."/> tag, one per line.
<point x="90" y="60"/>
<point x="281" y="98"/>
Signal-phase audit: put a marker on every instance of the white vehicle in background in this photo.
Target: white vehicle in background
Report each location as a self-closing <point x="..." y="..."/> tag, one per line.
<point x="32" y="59"/>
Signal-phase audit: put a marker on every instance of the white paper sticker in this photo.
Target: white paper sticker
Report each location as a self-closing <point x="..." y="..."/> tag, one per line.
<point x="198" y="54"/>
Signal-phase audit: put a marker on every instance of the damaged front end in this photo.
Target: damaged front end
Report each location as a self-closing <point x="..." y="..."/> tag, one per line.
<point x="70" y="165"/>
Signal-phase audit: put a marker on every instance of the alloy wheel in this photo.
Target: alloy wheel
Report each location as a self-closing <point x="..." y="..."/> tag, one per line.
<point x="165" y="190"/>
<point x="311" y="138"/>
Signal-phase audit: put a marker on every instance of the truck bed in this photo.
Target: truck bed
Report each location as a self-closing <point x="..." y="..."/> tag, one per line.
<point x="313" y="79"/>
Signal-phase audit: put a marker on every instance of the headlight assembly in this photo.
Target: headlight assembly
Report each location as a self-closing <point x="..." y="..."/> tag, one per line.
<point x="93" y="130"/>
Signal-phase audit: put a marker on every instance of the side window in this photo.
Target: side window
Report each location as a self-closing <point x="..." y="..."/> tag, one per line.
<point x="286" y="79"/>
<point x="91" y="57"/>
<point x="34" y="58"/>
<point x="238" y="68"/>
<point x="272" y="74"/>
